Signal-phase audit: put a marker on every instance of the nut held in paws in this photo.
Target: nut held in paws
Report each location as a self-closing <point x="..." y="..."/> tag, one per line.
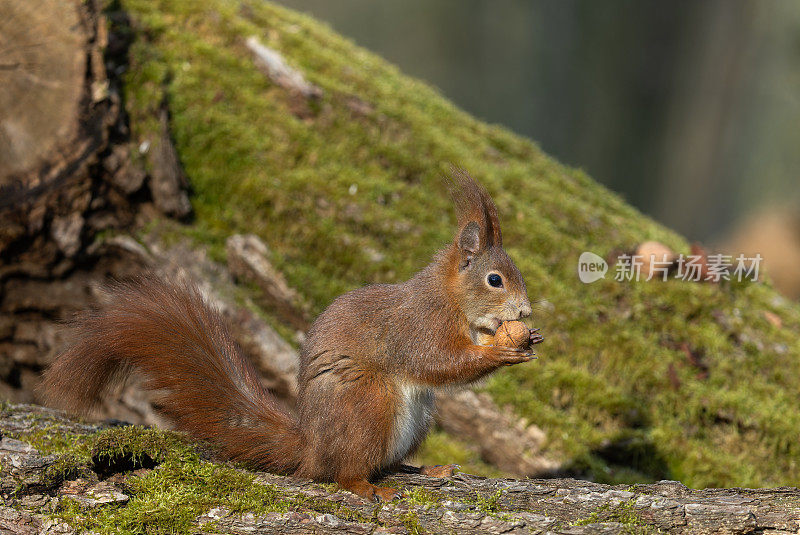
<point x="512" y="334"/>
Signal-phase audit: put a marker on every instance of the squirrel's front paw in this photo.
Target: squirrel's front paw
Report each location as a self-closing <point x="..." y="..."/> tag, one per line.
<point x="508" y="356"/>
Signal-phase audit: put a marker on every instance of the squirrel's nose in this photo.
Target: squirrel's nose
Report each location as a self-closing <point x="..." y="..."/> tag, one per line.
<point x="525" y="309"/>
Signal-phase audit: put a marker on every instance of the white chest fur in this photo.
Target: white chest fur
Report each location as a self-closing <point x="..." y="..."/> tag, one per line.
<point x="411" y="421"/>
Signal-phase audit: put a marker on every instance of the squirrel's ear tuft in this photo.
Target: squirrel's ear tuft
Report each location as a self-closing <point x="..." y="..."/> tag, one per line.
<point x="469" y="243"/>
<point x="474" y="205"/>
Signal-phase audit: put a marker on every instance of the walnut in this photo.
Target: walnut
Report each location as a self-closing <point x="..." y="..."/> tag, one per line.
<point x="512" y="334"/>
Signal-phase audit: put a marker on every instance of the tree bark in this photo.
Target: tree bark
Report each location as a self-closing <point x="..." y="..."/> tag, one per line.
<point x="461" y="504"/>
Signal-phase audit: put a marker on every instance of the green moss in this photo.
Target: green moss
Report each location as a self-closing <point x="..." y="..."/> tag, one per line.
<point x="489" y="504"/>
<point x="135" y="443"/>
<point x="624" y="513"/>
<point x="169" y="498"/>
<point x="411" y="522"/>
<point x="605" y="369"/>
<point x="66" y="466"/>
<point x="181" y="487"/>
<point x="423" y="497"/>
<point x="71" y="453"/>
<point x="52" y="439"/>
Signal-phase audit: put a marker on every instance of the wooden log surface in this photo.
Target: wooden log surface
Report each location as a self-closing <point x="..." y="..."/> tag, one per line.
<point x="459" y="504"/>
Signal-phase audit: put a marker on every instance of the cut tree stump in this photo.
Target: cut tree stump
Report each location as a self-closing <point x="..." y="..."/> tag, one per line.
<point x="65" y="165"/>
<point x="55" y="114"/>
<point x="43" y="60"/>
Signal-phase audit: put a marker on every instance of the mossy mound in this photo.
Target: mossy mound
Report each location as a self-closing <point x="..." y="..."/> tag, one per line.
<point x="348" y="194"/>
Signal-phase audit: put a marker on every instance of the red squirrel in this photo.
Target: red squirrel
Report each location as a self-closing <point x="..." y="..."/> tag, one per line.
<point x="368" y="367"/>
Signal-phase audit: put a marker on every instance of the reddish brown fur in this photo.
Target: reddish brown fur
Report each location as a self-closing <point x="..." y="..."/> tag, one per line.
<point x="184" y="349"/>
<point x="474" y="204"/>
<point x="366" y="371"/>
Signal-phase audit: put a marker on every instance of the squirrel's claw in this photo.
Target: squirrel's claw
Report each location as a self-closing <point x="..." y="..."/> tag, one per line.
<point x="386" y="494"/>
<point x="536" y="338"/>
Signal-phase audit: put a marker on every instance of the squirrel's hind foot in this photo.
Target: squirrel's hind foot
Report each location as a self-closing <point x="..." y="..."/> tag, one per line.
<point x="371" y="492"/>
<point x="439" y="470"/>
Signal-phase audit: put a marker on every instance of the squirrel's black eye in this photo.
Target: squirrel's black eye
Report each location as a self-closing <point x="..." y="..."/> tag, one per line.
<point x="494" y="280"/>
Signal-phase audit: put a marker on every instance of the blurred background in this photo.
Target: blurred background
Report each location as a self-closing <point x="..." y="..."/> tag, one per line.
<point x="689" y="110"/>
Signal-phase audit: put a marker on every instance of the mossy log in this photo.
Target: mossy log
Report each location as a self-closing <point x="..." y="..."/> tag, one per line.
<point x="152" y="481"/>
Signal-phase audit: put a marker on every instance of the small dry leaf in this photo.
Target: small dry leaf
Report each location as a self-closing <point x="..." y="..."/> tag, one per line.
<point x="654" y="256"/>
<point x="773" y="319"/>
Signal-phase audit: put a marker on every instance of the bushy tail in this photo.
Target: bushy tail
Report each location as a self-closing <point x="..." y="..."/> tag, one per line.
<point x="185" y="351"/>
